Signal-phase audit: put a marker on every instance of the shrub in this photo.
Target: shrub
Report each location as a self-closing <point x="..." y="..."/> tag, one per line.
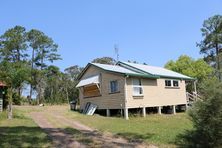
<point x="206" y="116"/>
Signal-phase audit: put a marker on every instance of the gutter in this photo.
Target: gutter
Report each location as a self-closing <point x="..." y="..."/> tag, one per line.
<point x="170" y="77"/>
<point x="142" y="75"/>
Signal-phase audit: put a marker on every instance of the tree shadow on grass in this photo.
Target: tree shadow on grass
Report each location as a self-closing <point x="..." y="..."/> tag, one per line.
<point x="22" y="136"/>
<point x="135" y="137"/>
<point x="79" y="136"/>
<point x="190" y="139"/>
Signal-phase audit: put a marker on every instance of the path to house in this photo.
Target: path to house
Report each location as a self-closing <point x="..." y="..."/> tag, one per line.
<point x="67" y="132"/>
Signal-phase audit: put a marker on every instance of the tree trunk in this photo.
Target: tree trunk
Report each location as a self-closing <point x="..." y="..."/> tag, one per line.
<point x="67" y="94"/>
<point x="218" y="62"/>
<point x="18" y="60"/>
<point x="51" y="95"/>
<point x="18" y="55"/>
<point x="32" y="67"/>
<point x="19" y="91"/>
<point x="30" y="94"/>
<point x="10" y="111"/>
<point x="40" y="86"/>
<point x="9" y="96"/>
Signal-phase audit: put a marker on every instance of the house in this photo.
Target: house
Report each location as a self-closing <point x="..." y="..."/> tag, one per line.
<point x="128" y="86"/>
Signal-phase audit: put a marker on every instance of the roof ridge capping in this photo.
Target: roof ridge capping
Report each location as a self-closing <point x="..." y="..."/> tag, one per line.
<point x="124" y="64"/>
<point x="156" y="71"/>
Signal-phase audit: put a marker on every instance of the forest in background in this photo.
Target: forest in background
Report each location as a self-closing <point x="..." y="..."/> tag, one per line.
<point x="27" y="56"/>
<point x="26" y="59"/>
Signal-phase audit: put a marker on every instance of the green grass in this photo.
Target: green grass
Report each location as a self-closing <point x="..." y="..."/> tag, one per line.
<point x="21" y="131"/>
<point x="161" y="130"/>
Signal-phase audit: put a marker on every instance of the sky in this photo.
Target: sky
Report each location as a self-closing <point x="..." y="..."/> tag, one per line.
<point x="146" y="31"/>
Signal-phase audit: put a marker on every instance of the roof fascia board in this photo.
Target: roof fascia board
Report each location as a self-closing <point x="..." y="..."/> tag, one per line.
<point x="83" y="71"/>
<point x="170" y="77"/>
<point x="91" y="64"/>
<point x="143" y="75"/>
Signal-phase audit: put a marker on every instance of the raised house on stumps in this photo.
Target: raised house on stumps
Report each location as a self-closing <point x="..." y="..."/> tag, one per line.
<point x="127" y="86"/>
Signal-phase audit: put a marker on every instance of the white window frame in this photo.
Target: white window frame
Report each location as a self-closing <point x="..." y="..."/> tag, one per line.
<point x="171" y="83"/>
<point x="137" y="86"/>
<point x="117" y="87"/>
<point x="177" y="82"/>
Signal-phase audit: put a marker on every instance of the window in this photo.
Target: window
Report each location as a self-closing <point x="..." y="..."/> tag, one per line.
<point x="91" y="91"/>
<point x="175" y="83"/>
<point x="114" y="86"/>
<point x="137" y="87"/>
<point x="171" y="83"/>
<point x="168" y="83"/>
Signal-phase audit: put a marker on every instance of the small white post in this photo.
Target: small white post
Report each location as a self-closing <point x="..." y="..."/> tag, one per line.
<point x="174" y="109"/>
<point x="195" y="87"/>
<point x="126" y="113"/>
<point x="108" y="112"/>
<point x="159" y="110"/>
<point x="144" y="111"/>
<point x="186" y="106"/>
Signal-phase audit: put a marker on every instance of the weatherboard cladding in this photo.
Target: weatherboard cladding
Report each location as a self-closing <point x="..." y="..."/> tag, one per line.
<point x="154" y="91"/>
<point x="107" y="100"/>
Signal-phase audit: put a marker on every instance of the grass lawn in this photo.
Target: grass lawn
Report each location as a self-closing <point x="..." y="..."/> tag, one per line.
<point x="161" y="130"/>
<point x="21" y="131"/>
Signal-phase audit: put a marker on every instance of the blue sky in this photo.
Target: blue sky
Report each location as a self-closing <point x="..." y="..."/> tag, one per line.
<point x="145" y="31"/>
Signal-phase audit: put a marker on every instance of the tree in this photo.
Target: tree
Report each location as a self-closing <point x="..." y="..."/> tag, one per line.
<point x="34" y="39"/>
<point x="13" y="47"/>
<point x="73" y="71"/>
<point x="105" y="60"/>
<point x="13" y="44"/>
<point x="44" y="50"/>
<point x="70" y="81"/>
<point x="60" y="87"/>
<point x="13" y="75"/>
<point x="206" y="116"/>
<point x="211" y="45"/>
<point x="52" y="93"/>
<point x="14" y="52"/>
<point x="198" y="69"/>
<point x="135" y="62"/>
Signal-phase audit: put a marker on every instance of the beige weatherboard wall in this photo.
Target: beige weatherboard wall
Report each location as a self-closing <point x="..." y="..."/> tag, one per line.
<point x="105" y="100"/>
<point x="114" y="88"/>
<point x="155" y="94"/>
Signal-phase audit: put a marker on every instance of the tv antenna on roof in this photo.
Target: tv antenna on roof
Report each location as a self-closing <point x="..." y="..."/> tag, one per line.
<point x="116" y="52"/>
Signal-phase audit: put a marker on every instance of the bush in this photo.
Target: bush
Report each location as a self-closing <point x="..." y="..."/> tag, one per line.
<point x="16" y="99"/>
<point x="206" y="116"/>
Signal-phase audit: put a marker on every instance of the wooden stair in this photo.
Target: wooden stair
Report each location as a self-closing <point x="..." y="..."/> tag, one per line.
<point x="192" y="97"/>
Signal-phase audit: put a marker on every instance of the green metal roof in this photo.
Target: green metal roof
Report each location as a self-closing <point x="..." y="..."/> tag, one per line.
<point x="138" y="70"/>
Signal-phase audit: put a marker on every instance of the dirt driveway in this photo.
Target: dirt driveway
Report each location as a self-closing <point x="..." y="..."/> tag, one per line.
<point x="67" y="132"/>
